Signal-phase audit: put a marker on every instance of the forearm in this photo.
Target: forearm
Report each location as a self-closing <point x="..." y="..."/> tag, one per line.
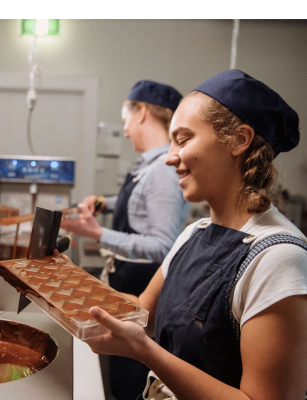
<point x="163" y="225"/>
<point x="183" y="379"/>
<point x="149" y="299"/>
<point x="134" y="245"/>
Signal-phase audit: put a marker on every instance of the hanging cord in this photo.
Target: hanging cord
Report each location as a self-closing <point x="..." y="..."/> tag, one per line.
<point x="35" y="73"/>
<point x="29" y="132"/>
<point x="234" y="43"/>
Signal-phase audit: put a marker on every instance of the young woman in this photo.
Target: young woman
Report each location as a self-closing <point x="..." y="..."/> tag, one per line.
<point x="228" y="307"/>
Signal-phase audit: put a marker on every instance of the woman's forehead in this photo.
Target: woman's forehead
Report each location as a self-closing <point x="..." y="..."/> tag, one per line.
<point x="125" y="110"/>
<point x="189" y="109"/>
<point x="189" y="114"/>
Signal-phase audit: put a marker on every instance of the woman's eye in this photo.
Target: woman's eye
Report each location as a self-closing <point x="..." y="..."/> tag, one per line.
<point x="182" y="141"/>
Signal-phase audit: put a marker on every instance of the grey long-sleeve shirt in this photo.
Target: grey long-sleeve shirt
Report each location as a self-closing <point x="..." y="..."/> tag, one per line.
<point x="156" y="210"/>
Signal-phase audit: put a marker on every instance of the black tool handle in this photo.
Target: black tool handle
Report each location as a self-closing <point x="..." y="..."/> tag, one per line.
<point x="63" y="243"/>
<point x="98" y="203"/>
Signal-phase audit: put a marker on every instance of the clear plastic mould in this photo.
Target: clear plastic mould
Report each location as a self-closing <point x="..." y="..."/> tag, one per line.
<point x="66" y="293"/>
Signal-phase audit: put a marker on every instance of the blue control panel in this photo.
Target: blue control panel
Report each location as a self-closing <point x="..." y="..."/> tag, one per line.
<point x="37" y="169"/>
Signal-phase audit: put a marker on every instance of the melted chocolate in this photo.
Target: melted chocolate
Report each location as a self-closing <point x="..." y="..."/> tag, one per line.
<point x="111" y="311"/>
<point x="60" y="296"/>
<point x="37" y="279"/>
<point x="69" y="285"/>
<point x="84" y="316"/>
<point x="81" y="293"/>
<point x="68" y="305"/>
<point x="114" y="299"/>
<point x="58" y="277"/>
<point x="93" y="302"/>
<point x="101" y="290"/>
<point x="48" y="269"/>
<point x="35" y="263"/>
<point x="89" y="282"/>
<point x="24" y="350"/>
<point x="128" y="307"/>
<point x="48" y="288"/>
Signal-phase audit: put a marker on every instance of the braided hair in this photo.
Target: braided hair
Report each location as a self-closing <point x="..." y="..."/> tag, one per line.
<point x="255" y="164"/>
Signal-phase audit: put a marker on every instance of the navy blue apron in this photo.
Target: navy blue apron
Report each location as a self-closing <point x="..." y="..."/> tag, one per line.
<point x="193" y="318"/>
<point x="193" y="312"/>
<point x="127" y="376"/>
<point x="129" y="277"/>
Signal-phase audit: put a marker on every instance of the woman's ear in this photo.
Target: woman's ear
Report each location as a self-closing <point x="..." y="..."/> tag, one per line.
<point x="244" y="137"/>
<point x="142" y="111"/>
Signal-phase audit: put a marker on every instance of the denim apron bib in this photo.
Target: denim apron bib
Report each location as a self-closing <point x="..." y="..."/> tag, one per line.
<point x="193" y="319"/>
<point x="193" y="313"/>
<point x="129" y="277"/>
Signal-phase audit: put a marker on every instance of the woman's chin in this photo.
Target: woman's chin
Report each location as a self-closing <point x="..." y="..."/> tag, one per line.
<point x="193" y="197"/>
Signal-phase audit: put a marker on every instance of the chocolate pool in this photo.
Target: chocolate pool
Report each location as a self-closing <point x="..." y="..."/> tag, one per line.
<point x="24" y="350"/>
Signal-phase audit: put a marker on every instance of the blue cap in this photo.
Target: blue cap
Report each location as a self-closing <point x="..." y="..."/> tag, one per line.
<point x="155" y="93"/>
<point x="257" y="105"/>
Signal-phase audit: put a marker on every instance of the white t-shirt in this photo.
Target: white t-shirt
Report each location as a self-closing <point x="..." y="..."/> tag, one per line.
<point x="277" y="272"/>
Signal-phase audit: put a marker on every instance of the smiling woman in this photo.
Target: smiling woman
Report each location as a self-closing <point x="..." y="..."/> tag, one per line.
<point x="200" y="159"/>
<point x="256" y="165"/>
<point x="220" y="136"/>
<point x="228" y="307"/>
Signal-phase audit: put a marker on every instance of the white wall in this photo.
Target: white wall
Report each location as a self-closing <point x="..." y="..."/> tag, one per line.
<point x="182" y="53"/>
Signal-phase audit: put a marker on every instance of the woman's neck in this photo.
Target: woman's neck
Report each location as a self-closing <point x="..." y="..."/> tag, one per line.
<point x="234" y="220"/>
<point x="155" y="135"/>
<point x="227" y="212"/>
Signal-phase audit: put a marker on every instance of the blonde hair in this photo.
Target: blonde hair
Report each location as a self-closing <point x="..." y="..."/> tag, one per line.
<point x="255" y="164"/>
<point x="163" y="114"/>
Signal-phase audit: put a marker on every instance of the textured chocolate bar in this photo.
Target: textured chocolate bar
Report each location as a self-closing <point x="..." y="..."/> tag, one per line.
<point x="66" y="293"/>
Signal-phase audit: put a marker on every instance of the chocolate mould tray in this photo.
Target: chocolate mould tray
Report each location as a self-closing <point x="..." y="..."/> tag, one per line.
<point x="66" y="293"/>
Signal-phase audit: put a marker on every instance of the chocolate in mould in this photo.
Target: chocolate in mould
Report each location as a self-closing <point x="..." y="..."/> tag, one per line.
<point x="66" y="293"/>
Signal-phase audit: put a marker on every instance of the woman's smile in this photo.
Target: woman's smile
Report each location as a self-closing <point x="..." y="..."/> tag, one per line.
<point x="182" y="175"/>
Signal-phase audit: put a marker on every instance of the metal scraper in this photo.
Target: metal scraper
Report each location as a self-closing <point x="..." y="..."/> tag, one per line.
<point x="43" y="240"/>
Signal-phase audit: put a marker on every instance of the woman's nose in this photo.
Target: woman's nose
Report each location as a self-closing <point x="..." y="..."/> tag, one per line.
<point x="172" y="158"/>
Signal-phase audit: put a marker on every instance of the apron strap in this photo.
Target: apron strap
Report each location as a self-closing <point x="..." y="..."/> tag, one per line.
<point x="156" y="390"/>
<point x="259" y="247"/>
<point x="109" y="266"/>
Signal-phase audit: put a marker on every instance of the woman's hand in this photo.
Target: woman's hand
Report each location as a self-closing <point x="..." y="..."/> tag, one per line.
<point x="122" y="338"/>
<point x="90" y="203"/>
<point x="85" y="225"/>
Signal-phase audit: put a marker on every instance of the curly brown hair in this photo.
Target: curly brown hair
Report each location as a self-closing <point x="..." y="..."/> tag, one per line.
<point x="255" y="164"/>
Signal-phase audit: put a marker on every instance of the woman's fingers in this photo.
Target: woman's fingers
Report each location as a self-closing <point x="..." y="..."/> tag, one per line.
<point x="85" y="211"/>
<point x="122" y="338"/>
<point x="89" y="203"/>
<point x="106" y="320"/>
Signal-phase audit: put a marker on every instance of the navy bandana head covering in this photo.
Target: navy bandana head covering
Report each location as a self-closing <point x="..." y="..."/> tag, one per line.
<point x="155" y="93"/>
<point x="257" y="105"/>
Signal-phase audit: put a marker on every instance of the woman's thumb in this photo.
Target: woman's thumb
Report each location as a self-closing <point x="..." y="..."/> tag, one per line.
<point x="106" y="319"/>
